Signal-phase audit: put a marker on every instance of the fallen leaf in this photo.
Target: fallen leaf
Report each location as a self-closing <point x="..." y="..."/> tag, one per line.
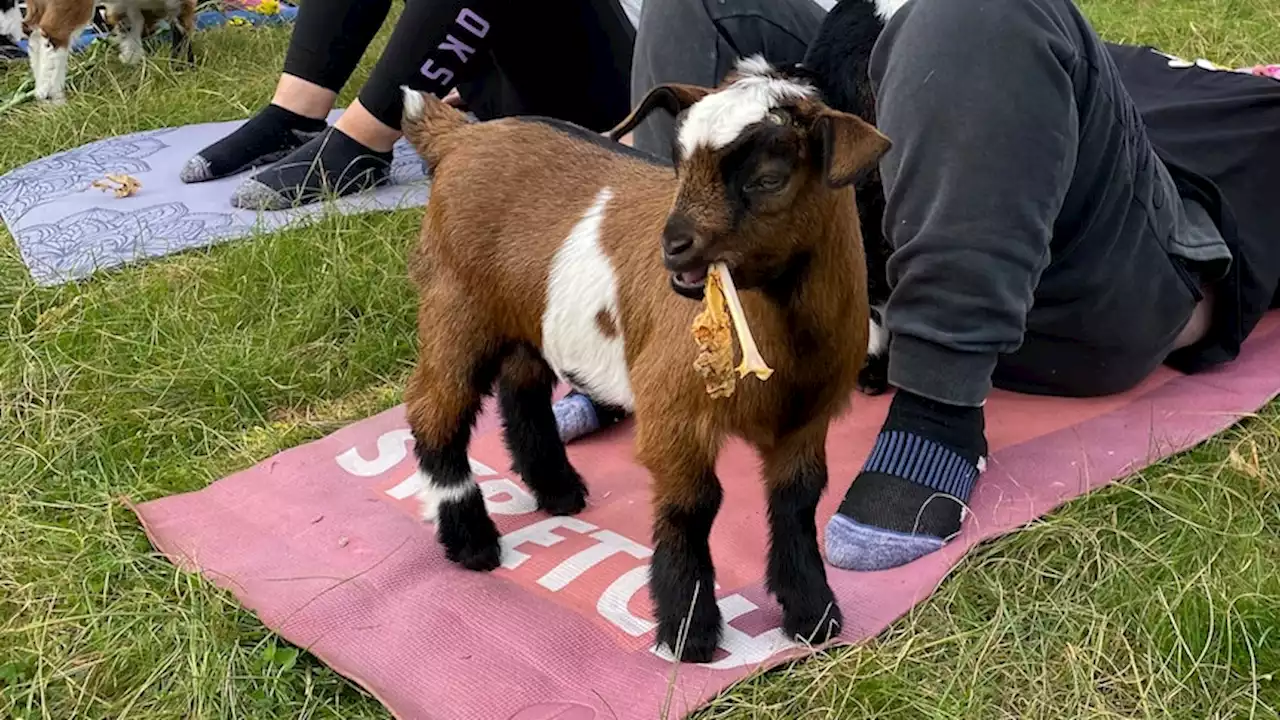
<point x="122" y="185"/>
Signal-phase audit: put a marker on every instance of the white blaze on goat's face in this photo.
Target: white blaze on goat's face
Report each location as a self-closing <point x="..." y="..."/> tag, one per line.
<point x="719" y="118"/>
<point x="582" y="287"/>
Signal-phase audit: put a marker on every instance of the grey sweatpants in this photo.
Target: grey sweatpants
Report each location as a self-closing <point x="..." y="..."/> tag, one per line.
<point x="698" y="41"/>
<point x="1039" y="241"/>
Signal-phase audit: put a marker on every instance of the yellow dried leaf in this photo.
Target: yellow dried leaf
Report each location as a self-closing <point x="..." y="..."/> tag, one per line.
<point x="713" y="332"/>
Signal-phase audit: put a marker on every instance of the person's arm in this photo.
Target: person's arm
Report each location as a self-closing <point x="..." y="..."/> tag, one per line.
<point x="984" y="146"/>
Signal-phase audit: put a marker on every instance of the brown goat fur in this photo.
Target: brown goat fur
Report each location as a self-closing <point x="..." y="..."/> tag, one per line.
<point x="51" y="24"/>
<point x="537" y="231"/>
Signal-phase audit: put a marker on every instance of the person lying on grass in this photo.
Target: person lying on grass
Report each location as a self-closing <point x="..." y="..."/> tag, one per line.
<point x="567" y="59"/>
<point x="1047" y="238"/>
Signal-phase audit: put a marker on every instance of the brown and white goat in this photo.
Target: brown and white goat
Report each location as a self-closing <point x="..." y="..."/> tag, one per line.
<point x="550" y="252"/>
<point x="53" y="24"/>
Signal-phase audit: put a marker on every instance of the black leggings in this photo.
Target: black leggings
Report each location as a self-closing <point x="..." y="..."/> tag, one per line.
<point x="569" y="59"/>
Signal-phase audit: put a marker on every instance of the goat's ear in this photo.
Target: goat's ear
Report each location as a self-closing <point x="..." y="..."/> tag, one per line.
<point x="672" y="97"/>
<point x="849" y="146"/>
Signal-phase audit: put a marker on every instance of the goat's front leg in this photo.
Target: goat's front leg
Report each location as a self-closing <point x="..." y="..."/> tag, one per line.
<point x="686" y="499"/>
<point x="182" y="29"/>
<point x="796" y="475"/>
<point x="131" y="25"/>
<point x="37" y="55"/>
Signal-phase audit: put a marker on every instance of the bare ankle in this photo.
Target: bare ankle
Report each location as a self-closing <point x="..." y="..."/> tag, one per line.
<point x="303" y="97"/>
<point x="360" y="125"/>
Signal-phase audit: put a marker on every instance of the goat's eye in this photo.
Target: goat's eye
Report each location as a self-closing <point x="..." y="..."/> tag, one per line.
<point x="767" y="183"/>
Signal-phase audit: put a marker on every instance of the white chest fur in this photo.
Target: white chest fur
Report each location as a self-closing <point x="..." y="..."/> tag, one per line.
<point x="582" y="294"/>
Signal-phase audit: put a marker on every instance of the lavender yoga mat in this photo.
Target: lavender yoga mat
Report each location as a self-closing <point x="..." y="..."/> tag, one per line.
<point x="323" y="543"/>
<point x="65" y="229"/>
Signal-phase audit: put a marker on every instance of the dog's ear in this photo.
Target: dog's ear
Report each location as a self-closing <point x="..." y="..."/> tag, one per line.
<point x="849" y="146"/>
<point x="672" y="97"/>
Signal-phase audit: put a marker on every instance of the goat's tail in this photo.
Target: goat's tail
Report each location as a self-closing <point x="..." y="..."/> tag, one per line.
<point x="427" y="122"/>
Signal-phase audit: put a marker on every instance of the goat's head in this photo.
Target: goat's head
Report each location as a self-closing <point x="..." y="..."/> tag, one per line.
<point x="757" y="159"/>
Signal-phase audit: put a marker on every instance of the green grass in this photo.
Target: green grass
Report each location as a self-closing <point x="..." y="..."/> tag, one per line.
<point x="1157" y="598"/>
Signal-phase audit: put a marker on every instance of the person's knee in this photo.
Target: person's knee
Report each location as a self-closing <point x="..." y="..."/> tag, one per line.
<point x="958" y="36"/>
<point x="671" y="33"/>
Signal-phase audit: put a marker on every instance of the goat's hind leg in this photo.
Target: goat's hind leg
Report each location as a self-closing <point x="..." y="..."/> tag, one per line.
<point x="454" y="372"/>
<point x="537" y="453"/>
<point x="181" y="31"/>
<point x="796" y="474"/>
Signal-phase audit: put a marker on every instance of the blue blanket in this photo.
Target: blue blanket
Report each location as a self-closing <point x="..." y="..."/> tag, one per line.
<point x="204" y="19"/>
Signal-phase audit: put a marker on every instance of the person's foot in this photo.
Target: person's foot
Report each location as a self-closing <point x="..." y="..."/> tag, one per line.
<point x="267" y="137"/>
<point x="577" y="415"/>
<point x="330" y="165"/>
<point x="908" y="500"/>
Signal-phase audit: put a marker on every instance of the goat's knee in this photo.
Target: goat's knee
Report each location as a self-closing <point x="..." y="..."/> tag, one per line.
<point x="796" y="575"/>
<point x="682" y="578"/>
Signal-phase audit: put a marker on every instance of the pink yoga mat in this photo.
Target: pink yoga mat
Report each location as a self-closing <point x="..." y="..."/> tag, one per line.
<point x="323" y="542"/>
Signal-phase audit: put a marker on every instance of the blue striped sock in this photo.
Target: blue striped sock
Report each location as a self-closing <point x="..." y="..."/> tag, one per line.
<point x="923" y="462"/>
<point x="908" y="499"/>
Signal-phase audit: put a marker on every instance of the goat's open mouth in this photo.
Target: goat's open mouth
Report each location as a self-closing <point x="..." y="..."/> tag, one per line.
<point x="690" y="283"/>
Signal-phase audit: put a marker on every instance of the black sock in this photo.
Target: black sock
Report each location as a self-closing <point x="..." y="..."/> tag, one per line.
<point x="268" y="136"/>
<point x="330" y="165"/>
<point x="906" y="502"/>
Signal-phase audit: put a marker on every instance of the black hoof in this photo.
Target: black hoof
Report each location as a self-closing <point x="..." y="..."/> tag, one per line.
<point x="468" y="534"/>
<point x="699" y="645"/>
<point x="702" y="637"/>
<point x="569" y="501"/>
<point x="813" y="622"/>
<point x="481" y="558"/>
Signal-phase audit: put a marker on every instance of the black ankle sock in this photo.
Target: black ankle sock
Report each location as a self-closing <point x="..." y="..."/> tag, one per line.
<point x="906" y="502"/>
<point x="268" y="136"/>
<point x="332" y="164"/>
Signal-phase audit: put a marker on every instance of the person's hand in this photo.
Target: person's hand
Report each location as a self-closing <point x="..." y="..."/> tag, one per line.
<point x="453" y="99"/>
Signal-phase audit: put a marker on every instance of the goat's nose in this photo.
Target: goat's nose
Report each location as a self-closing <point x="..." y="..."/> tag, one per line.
<point x="677" y="237"/>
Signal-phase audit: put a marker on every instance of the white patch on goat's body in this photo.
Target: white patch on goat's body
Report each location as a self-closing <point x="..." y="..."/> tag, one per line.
<point x="433" y="496"/>
<point x="719" y="118"/>
<point x="877" y="340"/>
<point x="414" y="106"/>
<point x="580" y="283"/>
<point x="887" y="8"/>
<point x="11" y="24"/>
